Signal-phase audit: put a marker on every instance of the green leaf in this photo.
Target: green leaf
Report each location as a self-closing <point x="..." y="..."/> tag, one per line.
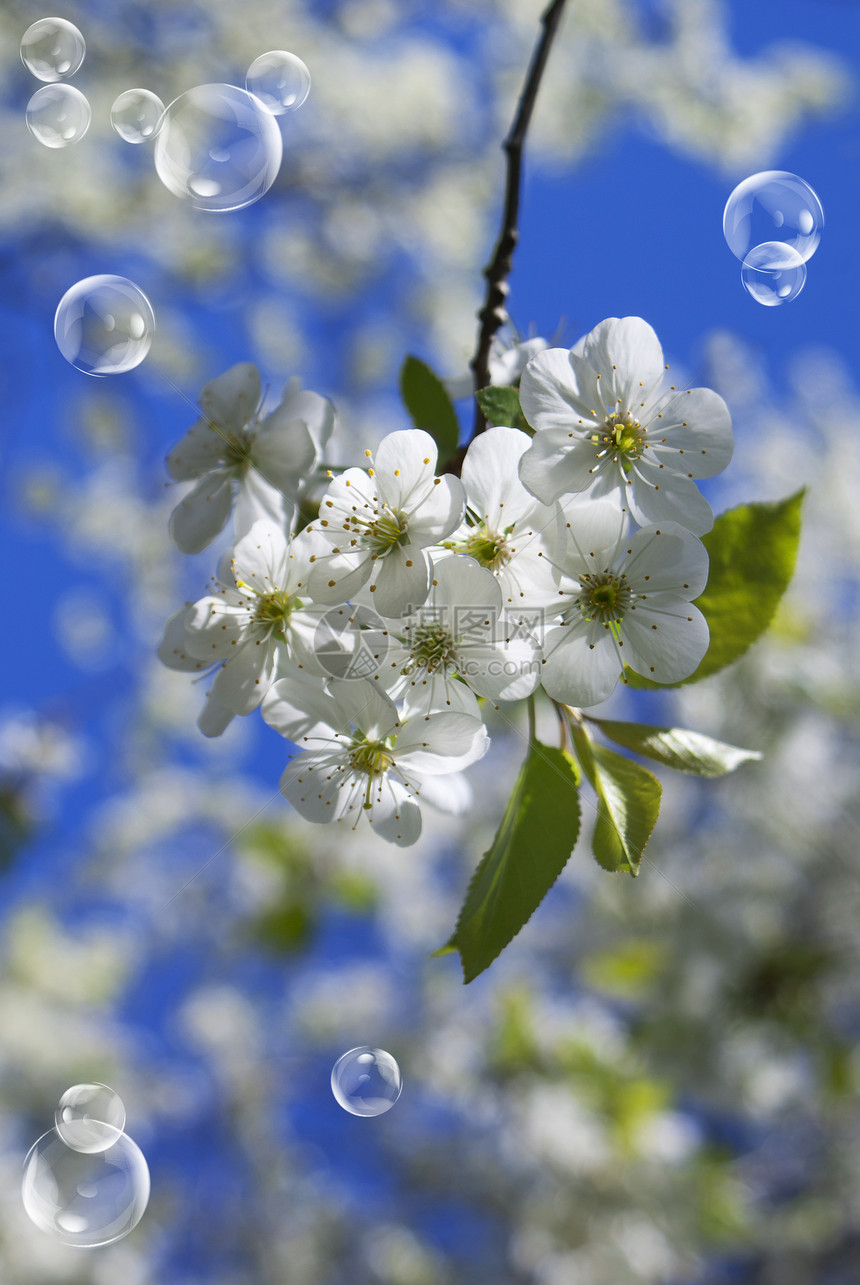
<point x="628" y="804"/>
<point x="676" y="747"/>
<point x="534" y="840"/>
<point x="426" y="398"/>
<point x="502" y="406"/>
<point x="752" y="550"/>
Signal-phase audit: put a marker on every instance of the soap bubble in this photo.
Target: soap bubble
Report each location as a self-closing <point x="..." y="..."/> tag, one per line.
<point x="85" y="1199"/>
<point x="58" y="115"/>
<point x="366" y="1081"/>
<point x="136" y="115"/>
<point x="280" y="80"/>
<point x="773" y="273"/>
<point x="104" y="325"/>
<point x="52" y="48"/>
<point x="773" y="206"/>
<point x="218" y="147"/>
<point x="90" y="1117"/>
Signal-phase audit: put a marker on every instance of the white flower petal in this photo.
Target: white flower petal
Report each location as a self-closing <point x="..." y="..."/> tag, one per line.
<point x="335" y="578"/>
<point x="198" y="518"/>
<point x="258" y="501"/>
<point x="463" y="584"/>
<point x="395" y="814"/>
<point x="400" y="581"/>
<point x="626" y="353"/>
<point x="231" y="400"/>
<point x="361" y="702"/>
<point x="317" y="413"/>
<point x="440" y="512"/>
<point x="214" y="717"/>
<point x="437" y="693"/>
<point x="491" y="479"/>
<point x="283" y="452"/>
<point x="173" y="648"/>
<point x="666" y="638"/>
<point x="405" y="464"/>
<point x="672" y="499"/>
<point x="698" y="422"/>
<point x="260" y="559"/>
<point x="317" y="786"/>
<point x="554" y="394"/>
<point x="242" y="682"/>
<point x="582" y="664"/>
<point x="558" y="462"/>
<point x="440" y="743"/>
<point x="217" y="630"/>
<point x="503" y="670"/>
<point x="451" y="794"/>
<point x="667" y="559"/>
<point x="301" y="709"/>
<point x="199" y="451"/>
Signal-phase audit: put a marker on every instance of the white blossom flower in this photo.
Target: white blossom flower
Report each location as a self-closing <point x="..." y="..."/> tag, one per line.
<point x="506" y="529"/>
<point x="234" y="454"/>
<point x="458" y="644"/>
<point x="603" y="424"/>
<point x="508" y="358"/>
<point x="375" y="527"/>
<point x="625" y="600"/>
<point x="360" y="759"/>
<point x="259" y="620"/>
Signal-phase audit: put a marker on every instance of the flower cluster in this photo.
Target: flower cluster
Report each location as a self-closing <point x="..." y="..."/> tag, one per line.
<point x="371" y="636"/>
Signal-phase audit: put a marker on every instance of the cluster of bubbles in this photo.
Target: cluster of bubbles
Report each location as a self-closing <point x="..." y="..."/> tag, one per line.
<point x="104" y="325"/>
<point x="85" y="1182"/>
<point x="219" y="147"/>
<point x="772" y="223"/>
<point x="366" y="1081"/>
<point x="216" y="146"/>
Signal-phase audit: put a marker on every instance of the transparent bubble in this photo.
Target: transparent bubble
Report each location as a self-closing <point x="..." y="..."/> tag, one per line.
<point x="85" y="1199"/>
<point x="773" y="206"/>
<point x="90" y="1117"/>
<point x="280" y="80"/>
<point x="218" y="148"/>
<point x="773" y="273"/>
<point x="104" y="325"/>
<point x="52" y="48"/>
<point x="136" y="115"/>
<point x="366" y="1081"/>
<point x="58" y="115"/>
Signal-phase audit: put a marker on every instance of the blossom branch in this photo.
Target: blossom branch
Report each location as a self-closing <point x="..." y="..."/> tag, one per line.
<point x="494" y="313"/>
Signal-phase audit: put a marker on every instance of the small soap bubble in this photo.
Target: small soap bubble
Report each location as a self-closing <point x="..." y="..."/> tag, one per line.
<point x="366" y="1081"/>
<point x="58" y="115"/>
<point x="280" y="80"/>
<point x="218" y="148"/>
<point x="136" y="115"/>
<point x="89" y="1117"/>
<point x="52" y="49"/>
<point x="773" y="273"/>
<point x="104" y="325"/>
<point x="85" y="1199"/>
<point x="773" y="202"/>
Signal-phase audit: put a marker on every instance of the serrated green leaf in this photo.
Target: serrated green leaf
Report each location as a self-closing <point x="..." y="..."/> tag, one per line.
<point x="677" y="747"/>
<point x="628" y="804"/>
<point x="501" y="406"/>
<point x="752" y="551"/>
<point x="427" y="401"/>
<point x="534" y="840"/>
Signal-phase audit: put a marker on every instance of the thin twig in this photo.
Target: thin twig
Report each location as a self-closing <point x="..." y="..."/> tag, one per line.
<point x="494" y="314"/>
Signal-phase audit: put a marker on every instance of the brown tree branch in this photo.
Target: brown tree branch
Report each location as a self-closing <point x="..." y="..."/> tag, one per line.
<point x="494" y="313"/>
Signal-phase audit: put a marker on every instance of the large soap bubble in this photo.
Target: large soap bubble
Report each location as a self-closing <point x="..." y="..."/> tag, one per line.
<point x="85" y="1199"/>
<point x="280" y="80"/>
<point x="218" y="148"/>
<point x="58" y="115"/>
<point x="773" y="206"/>
<point x="366" y="1081"/>
<point x="104" y="325"/>
<point x="89" y="1117"/>
<point x="52" y="48"/>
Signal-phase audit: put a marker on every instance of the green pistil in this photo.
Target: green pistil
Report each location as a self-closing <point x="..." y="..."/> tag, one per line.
<point x="237" y="450"/>
<point x="274" y="610"/>
<point x="486" y="547"/>
<point x="604" y="597"/>
<point x="432" y="648"/>
<point x="621" y="438"/>
<point x="373" y="758"/>
<point x="386" y="533"/>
